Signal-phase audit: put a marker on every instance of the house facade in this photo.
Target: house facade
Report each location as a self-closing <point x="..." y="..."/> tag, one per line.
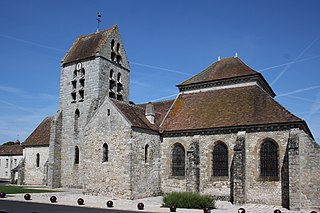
<point x="10" y="157"/>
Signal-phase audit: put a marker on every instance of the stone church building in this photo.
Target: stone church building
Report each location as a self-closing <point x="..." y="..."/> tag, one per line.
<point x="223" y="135"/>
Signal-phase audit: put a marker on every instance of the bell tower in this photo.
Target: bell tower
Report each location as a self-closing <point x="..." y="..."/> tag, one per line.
<point x="95" y="68"/>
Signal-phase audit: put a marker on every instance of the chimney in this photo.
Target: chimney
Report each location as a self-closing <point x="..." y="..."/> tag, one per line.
<point x="150" y="112"/>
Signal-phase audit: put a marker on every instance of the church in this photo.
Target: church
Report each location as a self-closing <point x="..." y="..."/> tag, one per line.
<point x="223" y="135"/>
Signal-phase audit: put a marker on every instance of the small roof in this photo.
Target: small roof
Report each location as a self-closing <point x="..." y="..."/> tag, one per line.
<point x="136" y="113"/>
<point x="225" y="68"/>
<point x="41" y="135"/>
<point x="239" y="106"/>
<point x="7" y="150"/>
<point x="87" y="46"/>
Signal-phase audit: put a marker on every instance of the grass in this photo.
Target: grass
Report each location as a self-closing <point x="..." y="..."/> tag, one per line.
<point x="21" y="190"/>
<point x="188" y="200"/>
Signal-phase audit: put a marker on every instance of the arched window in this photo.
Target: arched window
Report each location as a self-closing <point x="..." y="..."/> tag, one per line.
<point x="38" y="160"/>
<point x="269" y="159"/>
<point x="146" y="153"/>
<point x="118" y="47"/>
<point x="111" y="74"/>
<point x="112" y="44"/>
<point x="220" y="160"/>
<point x="119" y="77"/>
<point x="76" y="121"/>
<point x="178" y="160"/>
<point x="76" y="155"/>
<point x="105" y="153"/>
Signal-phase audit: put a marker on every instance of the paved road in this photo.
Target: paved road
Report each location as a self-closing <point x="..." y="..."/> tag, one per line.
<point x="26" y="207"/>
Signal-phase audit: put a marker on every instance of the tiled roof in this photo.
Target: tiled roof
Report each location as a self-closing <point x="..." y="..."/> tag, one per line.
<point x="223" y="69"/>
<point x="242" y="106"/>
<point x="15" y="149"/>
<point x="136" y="113"/>
<point x="87" y="46"/>
<point x="41" y="135"/>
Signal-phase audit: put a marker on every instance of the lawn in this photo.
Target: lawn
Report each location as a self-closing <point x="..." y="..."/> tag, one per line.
<point x="21" y="190"/>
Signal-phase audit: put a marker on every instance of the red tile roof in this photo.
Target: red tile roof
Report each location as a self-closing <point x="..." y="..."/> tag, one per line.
<point x="6" y="150"/>
<point x="136" y="113"/>
<point x="87" y="46"/>
<point x="41" y="135"/>
<point x="223" y="69"/>
<point x="242" y="106"/>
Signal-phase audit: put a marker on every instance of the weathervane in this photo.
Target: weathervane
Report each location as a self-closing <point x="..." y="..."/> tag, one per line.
<point x="98" y="20"/>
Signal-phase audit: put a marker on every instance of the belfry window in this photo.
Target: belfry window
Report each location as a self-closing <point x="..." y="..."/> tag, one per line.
<point x="178" y="160"/>
<point x="269" y="159"/>
<point x="105" y="153"/>
<point x="76" y="155"/>
<point x="38" y="160"/>
<point x="220" y="160"/>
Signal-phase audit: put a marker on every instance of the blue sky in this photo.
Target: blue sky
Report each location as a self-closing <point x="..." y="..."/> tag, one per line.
<point x="166" y="42"/>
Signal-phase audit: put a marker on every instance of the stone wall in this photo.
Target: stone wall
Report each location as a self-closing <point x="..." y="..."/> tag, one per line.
<point x="54" y="162"/>
<point x="208" y="184"/>
<point x="262" y="190"/>
<point x="309" y="152"/>
<point x="257" y="189"/>
<point x="145" y="165"/>
<point x="34" y="175"/>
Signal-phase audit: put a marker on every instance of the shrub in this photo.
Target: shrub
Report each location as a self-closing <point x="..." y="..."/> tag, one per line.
<point x="188" y="200"/>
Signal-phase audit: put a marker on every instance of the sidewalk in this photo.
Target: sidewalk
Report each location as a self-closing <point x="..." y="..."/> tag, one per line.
<point x="151" y="204"/>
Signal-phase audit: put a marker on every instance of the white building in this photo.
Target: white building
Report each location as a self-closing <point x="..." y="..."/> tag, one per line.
<point x="10" y="157"/>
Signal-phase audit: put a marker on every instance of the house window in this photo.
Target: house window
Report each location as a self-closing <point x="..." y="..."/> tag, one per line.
<point x="220" y="160"/>
<point x="7" y="163"/>
<point x="38" y="160"/>
<point x="147" y="154"/>
<point x="76" y="155"/>
<point x="105" y="153"/>
<point x="15" y="162"/>
<point x="178" y="160"/>
<point x="269" y="159"/>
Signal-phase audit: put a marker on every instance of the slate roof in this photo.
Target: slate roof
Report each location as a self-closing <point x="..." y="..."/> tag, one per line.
<point x="136" y="113"/>
<point x="41" y="135"/>
<point x="241" y="106"/>
<point x="15" y="149"/>
<point x="87" y="46"/>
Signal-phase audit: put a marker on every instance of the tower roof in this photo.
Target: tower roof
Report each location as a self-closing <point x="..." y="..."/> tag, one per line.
<point x="87" y="46"/>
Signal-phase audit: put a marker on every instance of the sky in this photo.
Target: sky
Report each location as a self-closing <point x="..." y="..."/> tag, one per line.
<point x="166" y="42"/>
